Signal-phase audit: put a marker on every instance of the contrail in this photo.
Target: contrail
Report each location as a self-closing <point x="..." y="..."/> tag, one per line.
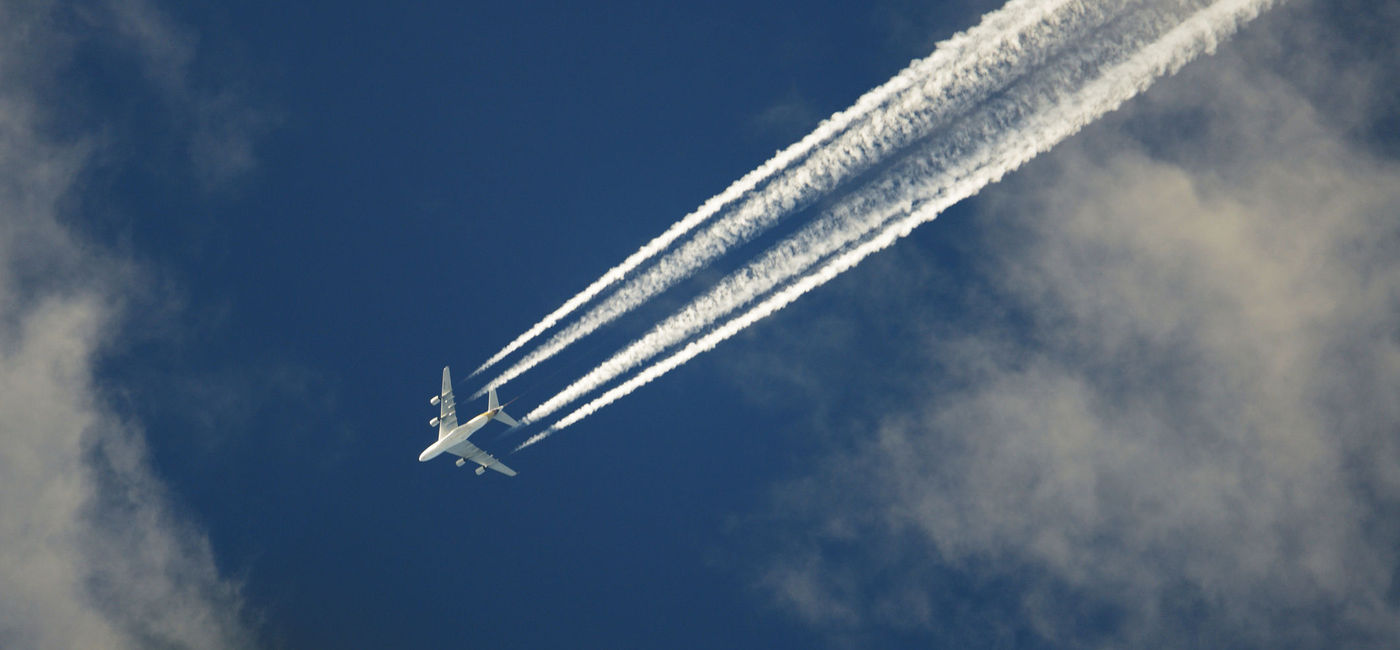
<point x="963" y="72"/>
<point x="942" y="167"/>
<point x="1010" y="18"/>
<point x="1198" y="34"/>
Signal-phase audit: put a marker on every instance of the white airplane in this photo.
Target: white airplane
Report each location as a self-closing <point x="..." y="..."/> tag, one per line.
<point x="453" y="438"/>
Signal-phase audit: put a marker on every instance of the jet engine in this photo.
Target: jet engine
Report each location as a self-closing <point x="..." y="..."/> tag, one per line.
<point x="434" y="400"/>
<point x="433" y="422"/>
<point x="480" y="469"/>
<point x="461" y="462"/>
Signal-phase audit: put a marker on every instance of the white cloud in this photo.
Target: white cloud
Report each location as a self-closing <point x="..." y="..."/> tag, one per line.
<point x="1192" y="438"/>
<point x="92" y="551"/>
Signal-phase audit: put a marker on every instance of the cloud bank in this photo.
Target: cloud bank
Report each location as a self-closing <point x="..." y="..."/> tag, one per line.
<point x="1174" y="422"/>
<point x="93" y="554"/>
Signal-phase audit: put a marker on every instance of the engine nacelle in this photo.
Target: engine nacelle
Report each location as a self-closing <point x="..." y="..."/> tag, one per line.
<point x="480" y="470"/>
<point x="434" y="400"/>
<point x="461" y="462"/>
<point x="433" y="422"/>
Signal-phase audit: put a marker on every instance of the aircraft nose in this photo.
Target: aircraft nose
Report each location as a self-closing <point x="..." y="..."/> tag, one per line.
<point x="426" y="455"/>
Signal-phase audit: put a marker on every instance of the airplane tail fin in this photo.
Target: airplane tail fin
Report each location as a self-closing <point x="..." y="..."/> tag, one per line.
<point x="493" y="403"/>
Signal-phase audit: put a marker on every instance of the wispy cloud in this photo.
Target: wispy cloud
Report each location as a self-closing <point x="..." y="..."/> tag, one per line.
<point x="92" y="552"/>
<point x="1190" y="442"/>
<point x="219" y="125"/>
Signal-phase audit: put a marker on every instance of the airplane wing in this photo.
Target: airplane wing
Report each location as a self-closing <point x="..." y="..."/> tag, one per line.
<point x="474" y="454"/>
<point x="447" y="419"/>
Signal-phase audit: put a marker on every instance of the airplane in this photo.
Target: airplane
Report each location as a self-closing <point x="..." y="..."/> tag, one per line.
<point x="453" y="438"/>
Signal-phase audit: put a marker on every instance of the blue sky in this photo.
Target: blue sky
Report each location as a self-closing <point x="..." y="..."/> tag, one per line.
<point x="1136" y="394"/>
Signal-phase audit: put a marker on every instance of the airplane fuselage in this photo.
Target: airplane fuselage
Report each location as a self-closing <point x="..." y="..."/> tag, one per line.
<point x="462" y="432"/>
<point x="452" y="437"/>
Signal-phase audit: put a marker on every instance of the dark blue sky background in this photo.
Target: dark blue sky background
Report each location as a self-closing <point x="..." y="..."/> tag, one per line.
<point x="430" y="180"/>
<point x="325" y="203"/>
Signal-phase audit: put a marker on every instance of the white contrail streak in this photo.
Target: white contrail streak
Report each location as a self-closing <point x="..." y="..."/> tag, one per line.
<point x="960" y="74"/>
<point x="1198" y="34"/>
<point x="940" y="168"/>
<point x="1010" y="18"/>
